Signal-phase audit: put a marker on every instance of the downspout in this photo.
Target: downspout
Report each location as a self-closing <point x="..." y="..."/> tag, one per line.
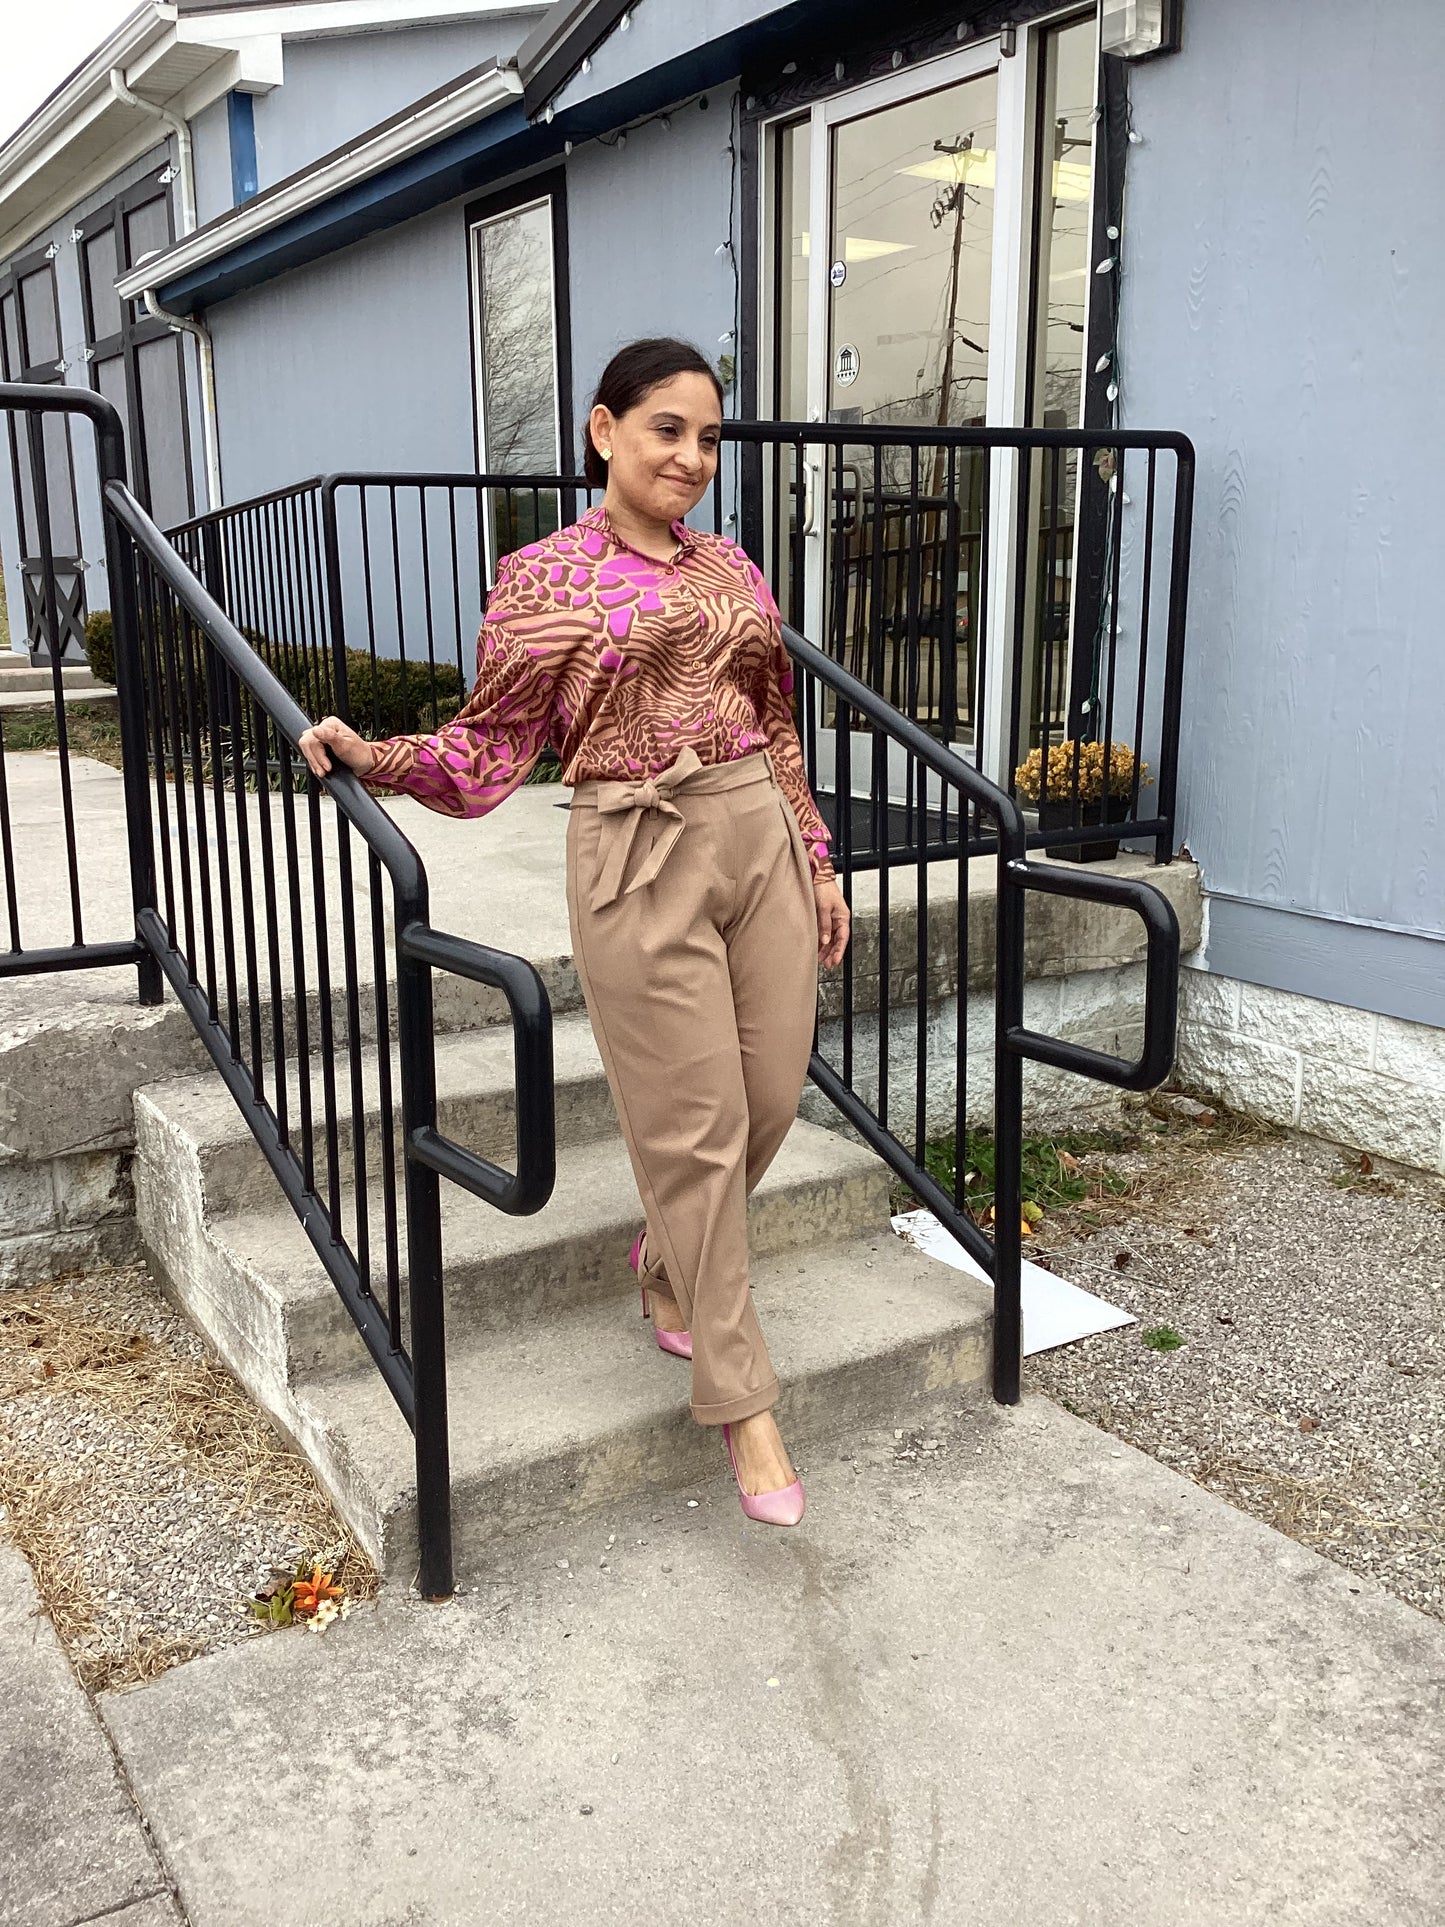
<point x="183" y="324"/>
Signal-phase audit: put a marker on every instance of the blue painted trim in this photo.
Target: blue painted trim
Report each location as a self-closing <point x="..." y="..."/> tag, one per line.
<point x="1395" y="972"/>
<point x="463" y="162"/>
<point x="241" y="125"/>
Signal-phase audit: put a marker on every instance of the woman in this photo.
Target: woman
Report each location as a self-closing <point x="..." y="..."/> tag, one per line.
<point x="698" y="882"/>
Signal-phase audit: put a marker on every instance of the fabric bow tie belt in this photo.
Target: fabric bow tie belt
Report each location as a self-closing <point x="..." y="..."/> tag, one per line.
<point x="633" y="814"/>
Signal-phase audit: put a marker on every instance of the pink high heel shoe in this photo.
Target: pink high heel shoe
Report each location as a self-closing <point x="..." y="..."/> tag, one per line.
<point x="782" y="1508"/>
<point x="678" y="1343"/>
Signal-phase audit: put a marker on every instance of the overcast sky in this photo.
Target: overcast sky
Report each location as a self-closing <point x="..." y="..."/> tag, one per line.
<point x="44" y="40"/>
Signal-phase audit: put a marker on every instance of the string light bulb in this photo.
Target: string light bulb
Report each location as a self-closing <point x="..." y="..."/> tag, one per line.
<point x="1136" y="139"/>
<point x="1109" y="261"/>
<point x="1102" y="363"/>
<point x="1112" y="391"/>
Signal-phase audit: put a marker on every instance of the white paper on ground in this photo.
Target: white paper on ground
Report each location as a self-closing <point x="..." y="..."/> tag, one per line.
<point x="1055" y="1312"/>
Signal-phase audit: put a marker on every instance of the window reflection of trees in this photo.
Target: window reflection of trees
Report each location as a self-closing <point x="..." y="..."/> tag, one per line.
<point x="518" y="406"/>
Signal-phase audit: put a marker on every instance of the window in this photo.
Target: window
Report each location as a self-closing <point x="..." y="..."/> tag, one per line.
<point x="137" y="362"/>
<point x="517" y="254"/>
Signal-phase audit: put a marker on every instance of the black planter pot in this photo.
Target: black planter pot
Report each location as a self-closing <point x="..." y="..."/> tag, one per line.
<point x="1059" y="815"/>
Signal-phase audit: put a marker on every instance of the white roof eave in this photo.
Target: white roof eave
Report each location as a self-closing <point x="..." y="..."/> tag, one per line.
<point x="482" y="94"/>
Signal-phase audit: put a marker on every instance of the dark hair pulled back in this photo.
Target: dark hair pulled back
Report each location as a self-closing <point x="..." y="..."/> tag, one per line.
<point x="630" y="377"/>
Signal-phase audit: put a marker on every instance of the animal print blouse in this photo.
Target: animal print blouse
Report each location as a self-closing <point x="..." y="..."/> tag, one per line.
<point x="620" y="662"/>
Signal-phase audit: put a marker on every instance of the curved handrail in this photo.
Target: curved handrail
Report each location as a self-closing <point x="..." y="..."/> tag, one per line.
<point x="944" y="762"/>
<point x="1161" y="979"/>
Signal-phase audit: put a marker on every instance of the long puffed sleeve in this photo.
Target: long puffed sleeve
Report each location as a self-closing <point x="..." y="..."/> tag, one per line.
<point x="471" y="764"/>
<point x="772" y="696"/>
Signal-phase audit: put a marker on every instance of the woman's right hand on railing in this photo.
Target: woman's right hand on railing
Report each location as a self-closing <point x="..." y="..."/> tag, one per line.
<point x="332" y="737"/>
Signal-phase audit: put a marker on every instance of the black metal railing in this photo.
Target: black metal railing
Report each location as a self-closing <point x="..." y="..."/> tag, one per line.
<point x="363" y="593"/>
<point x="887" y="1055"/>
<point x="292" y="926"/>
<point x="1002" y="588"/>
<point x="67" y="939"/>
<point x="290" y="918"/>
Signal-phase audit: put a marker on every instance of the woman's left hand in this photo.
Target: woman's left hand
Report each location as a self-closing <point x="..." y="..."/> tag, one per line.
<point x="833" y="921"/>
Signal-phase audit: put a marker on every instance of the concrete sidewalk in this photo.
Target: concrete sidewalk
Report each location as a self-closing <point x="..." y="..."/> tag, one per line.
<point x="72" y="1846"/>
<point x="1031" y="1679"/>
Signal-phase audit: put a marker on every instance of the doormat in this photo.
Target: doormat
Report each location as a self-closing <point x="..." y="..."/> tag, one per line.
<point x="1055" y="1312"/>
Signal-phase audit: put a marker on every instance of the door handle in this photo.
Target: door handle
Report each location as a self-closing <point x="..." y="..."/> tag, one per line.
<point x="810" y="496"/>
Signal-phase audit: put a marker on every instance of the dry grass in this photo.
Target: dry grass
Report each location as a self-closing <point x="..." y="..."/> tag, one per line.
<point x="1163" y="1174"/>
<point x="91" y="729"/>
<point x="1314" y="1511"/>
<point x="63" y="1342"/>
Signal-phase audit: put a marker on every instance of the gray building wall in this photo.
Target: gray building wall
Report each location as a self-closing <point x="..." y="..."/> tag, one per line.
<point x="644" y="225"/>
<point x="361" y="360"/>
<point x="211" y="155"/>
<point x="337" y="87"/>
<point x="1284" y="281"/>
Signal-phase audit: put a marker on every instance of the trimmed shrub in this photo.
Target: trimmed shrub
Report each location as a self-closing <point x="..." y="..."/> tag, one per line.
<point x="389" y="697"/>
<point x="100" y="645"/>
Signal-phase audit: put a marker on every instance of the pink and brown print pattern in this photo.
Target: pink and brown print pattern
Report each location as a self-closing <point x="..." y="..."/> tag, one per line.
<point x="619" y="662"/>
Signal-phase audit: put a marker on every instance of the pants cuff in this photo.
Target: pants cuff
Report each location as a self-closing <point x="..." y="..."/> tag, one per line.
<point x="745" y="1405"/>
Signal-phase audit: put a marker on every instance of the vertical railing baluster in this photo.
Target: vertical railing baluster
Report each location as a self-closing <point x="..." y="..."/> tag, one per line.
<point x="235" y="709"/>
<point x="261" y="727"/>
<point x="185" y="644"/>
<point x="387" y="1139"/>
<point x="1146" y="593"/>
<point x="354" y="1050"/>
<point x="300" y="1012"/>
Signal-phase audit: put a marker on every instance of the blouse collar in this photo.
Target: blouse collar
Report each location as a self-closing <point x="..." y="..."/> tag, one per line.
<point x="598" y="518"/>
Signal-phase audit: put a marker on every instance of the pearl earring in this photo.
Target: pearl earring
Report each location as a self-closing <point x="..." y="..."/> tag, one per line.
<point x="607" y="454"/>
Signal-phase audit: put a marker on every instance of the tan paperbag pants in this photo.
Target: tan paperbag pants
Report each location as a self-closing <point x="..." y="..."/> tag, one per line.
<point x="696" y="940"/>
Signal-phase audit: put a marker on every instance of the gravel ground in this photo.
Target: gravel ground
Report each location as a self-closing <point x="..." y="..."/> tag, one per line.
<point x="1309" y="1294"/>
<point x="150" y="1497"/>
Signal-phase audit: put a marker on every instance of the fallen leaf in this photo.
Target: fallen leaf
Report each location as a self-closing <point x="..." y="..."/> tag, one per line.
<point x="1032" y="1213"/>
<point x="1309" y="1424"/>
<point x="1122" y="1258"/>
<point x="1025" y="1228"/>
<point x="48" y="1369"/>
<point x="1367" y="1164"/>
<point x="1069" y="1161"/>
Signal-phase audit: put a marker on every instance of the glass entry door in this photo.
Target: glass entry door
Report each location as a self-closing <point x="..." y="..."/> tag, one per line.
<point x="903" y="219"/>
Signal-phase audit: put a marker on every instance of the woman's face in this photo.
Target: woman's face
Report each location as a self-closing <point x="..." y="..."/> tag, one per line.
<point x="664" y="451"/>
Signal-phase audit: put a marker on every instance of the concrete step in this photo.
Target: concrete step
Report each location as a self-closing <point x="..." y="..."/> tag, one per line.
<point x="19" y="672"/>
<point x="475" y="1106"/>
<point x="253" y="1283"/>
<point x="564" y="1415"/>
<point x="44" y="698"/>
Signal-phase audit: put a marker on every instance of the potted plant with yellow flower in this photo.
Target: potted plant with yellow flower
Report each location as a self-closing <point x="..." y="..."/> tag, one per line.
<point x="1079" y="785"/>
